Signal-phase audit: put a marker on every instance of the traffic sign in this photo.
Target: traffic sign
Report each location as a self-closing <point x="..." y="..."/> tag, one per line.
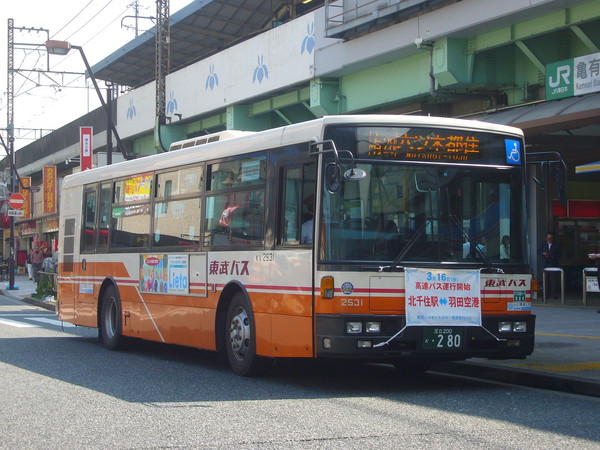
<point x="16" y="212"/>
<point x="16" y="201"/>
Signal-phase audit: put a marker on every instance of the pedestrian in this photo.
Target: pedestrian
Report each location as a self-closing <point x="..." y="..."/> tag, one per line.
<point x="37" y="258"/>
<point x="550" y="253"/>
<point x="596" y="258"/>
<point x="505" y="247"/>
<point x="29" y="266"/>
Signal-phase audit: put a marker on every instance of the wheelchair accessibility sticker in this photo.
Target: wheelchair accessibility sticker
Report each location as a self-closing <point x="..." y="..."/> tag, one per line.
<point x="513" y="152"/>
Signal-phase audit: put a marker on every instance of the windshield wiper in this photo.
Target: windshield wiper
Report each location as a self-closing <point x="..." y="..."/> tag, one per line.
<point x="411" y="242"/>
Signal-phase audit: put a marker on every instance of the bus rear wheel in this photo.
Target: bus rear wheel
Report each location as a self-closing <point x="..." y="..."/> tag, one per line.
<point x="240" y="338"/>
<point x="110" y="320"/>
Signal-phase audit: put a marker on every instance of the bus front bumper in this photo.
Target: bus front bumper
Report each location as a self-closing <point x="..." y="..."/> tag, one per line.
<point x="355" y="337"/>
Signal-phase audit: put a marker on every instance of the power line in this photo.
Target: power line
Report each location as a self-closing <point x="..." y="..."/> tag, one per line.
<point x="81" y="27"/>
<point x="74" y="17"/>
<point x="110" y="22"/>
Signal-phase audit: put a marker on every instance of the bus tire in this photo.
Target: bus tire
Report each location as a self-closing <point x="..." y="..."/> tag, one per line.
<point x="240" y="338"/>
<point x="110" y="331"/>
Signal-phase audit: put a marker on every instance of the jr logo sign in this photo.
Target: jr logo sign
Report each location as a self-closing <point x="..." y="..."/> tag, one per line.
<point x="559" y="80"/>
<point x="576" y="76"/>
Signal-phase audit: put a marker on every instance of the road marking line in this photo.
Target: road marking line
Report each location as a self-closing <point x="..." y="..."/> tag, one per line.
<point x="569" y="336"/>
<point x="41" y="314"/>
<point x="575" y="367"/>
<point x="14" y="323"/>
<point x="55" y="322"/>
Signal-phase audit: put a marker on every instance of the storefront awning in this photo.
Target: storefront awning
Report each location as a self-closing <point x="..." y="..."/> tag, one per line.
<point x="588" y="168"/>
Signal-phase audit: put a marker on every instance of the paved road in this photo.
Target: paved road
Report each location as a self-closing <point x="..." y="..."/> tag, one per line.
<point x="60" y="388"/>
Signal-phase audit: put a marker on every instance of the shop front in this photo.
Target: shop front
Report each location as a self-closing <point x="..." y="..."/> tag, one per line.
<point x="566" y="201"/>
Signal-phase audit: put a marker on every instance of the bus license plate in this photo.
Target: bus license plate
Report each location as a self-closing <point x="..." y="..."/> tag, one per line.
<point x="443" y="338"/>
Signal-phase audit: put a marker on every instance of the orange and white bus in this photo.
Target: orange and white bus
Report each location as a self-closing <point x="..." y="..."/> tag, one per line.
<point x="398" y="239"/>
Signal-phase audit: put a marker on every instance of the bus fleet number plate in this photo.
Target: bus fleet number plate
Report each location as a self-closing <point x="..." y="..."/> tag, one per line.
<point x="448" y="338"/>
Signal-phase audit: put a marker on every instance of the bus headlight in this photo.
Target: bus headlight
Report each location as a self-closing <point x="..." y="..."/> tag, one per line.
<point x="520" y="327"/>
<point x="504" y="327"/>
<point x="515" y="327"/>
<point x="353" y="327"/>
<point x="373" y="327"/>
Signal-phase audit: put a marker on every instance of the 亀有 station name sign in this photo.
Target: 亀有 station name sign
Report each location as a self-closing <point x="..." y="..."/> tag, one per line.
<point x="573" y="77"/>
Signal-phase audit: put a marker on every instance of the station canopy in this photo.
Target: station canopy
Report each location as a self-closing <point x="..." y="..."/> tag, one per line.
<point x="570" y="126"/>
<point x="198" y="30"/>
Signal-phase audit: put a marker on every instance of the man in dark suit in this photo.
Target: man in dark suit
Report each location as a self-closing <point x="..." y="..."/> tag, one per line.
<point x="550" y="252"/>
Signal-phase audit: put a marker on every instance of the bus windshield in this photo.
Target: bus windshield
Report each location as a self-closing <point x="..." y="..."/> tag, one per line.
<point x="407" y="212"/>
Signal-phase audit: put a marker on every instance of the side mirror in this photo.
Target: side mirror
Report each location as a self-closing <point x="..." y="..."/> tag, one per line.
<point x="355" y="174"/>
<point x="333" y="175"/>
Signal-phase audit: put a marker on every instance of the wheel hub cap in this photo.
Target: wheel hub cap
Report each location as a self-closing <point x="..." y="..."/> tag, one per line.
<point x="239" y="334"/>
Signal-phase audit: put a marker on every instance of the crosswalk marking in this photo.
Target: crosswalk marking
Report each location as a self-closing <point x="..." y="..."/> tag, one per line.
<point x="14" y="323"/>
<point x="55" y="322"/>
<point x="22" y="318"/>
<point x="27" y="315"/>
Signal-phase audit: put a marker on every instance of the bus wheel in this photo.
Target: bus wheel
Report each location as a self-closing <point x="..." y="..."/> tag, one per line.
<point x="240" y="339"/>
<point x="110" y="319"/>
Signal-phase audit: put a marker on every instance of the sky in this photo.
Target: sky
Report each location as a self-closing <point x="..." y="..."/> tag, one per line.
<point x="47" y="101"/>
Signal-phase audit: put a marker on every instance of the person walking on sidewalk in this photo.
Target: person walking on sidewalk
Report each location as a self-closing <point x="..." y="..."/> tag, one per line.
<point x="550" y="252"/>
<point x="37" y="258"/>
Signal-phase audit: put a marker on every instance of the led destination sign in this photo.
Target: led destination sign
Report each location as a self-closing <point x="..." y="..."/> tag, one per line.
<point x="432" y="147"/>
<point x="447" y="146"/>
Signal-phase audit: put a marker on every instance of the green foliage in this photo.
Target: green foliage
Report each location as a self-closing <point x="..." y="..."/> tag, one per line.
<point x="45" y="286"/>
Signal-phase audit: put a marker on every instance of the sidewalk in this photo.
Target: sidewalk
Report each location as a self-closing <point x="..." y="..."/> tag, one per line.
<point x="25" y="289"/>
<point x="566" y="355"/>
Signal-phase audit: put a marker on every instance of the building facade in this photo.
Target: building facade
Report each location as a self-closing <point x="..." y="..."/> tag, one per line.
<point x="533" y="64"/>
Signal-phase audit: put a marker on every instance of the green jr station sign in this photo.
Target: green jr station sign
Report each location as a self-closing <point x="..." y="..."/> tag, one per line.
<point x="573" y="77"/>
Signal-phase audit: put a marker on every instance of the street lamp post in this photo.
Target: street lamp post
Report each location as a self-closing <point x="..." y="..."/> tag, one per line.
<point x="62" y="48"/>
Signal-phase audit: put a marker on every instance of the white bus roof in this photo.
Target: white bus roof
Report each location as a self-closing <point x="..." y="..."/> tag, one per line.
<point x="238" y="142"/>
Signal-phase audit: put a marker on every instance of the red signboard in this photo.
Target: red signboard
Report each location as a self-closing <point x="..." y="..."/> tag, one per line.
<point x="50" y="190"/>
<point x="26" y="193"/>
<point x="86" y="147"/>
<point x="578" y="209"/>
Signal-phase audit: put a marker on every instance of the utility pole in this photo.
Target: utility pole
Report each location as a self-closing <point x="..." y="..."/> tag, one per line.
<point x="109" y="143"/>
<point x="136" y="16"/>
<point x="162" y="66"/>
<point x="10" y="129"/>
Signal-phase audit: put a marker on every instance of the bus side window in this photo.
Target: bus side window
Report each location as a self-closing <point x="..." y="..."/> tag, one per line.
<point x="89" y="220"/>
<point x="104" y="217"/>
<point x="292" y="205"/>
<point x="296" y="216"/>
<point x="177" y="208"/>
<point x="130" y="216"/>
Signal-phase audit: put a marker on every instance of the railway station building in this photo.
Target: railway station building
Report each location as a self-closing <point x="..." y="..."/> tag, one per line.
<point x="256" y="64"/>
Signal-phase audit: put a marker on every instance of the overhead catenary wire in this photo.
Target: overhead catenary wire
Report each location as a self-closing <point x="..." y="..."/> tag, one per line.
<point x="70" y="21"/>
<point x="23" y="87"/>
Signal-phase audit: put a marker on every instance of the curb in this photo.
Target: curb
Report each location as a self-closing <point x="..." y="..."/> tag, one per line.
<point x="50" y="306"/>
<point x="522" y="377"/>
